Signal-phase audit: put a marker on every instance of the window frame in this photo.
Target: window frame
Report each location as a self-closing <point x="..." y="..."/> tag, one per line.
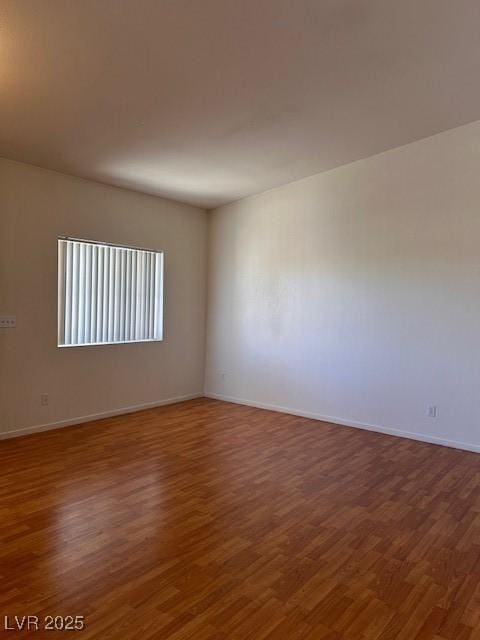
<point x="60" y="306"/>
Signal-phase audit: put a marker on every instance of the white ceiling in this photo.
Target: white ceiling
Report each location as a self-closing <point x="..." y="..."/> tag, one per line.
<point x="207" y="101"/>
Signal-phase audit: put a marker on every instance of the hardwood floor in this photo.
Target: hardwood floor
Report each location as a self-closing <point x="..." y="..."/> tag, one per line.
<point x="208" y="520"/>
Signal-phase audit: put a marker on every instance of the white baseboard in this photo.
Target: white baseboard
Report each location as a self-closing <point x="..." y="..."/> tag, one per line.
<point x="96" y="416"/>
<point x="422" y="437"/>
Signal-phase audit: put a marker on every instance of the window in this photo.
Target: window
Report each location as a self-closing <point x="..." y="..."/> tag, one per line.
<point x="108" y="294"/>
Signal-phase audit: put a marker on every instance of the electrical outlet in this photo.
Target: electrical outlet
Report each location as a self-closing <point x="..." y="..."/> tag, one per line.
<point x="432" y="411"/>
<point x="8" y="322"/>
<point x="44" y="399"/>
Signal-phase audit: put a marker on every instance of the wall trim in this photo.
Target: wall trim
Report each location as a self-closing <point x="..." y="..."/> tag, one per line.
<point x="15" y="433"/>
<point x="411" y="435"/>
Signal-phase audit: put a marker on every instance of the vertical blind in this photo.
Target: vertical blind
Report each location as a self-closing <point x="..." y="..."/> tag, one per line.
<point x="108" y="294"/>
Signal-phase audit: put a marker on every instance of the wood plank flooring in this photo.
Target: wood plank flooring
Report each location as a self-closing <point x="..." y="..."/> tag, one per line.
<point x="208" y="520"/>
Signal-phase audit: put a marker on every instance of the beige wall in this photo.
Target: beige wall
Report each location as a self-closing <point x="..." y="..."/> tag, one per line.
<point x="355" y="294"/>
<point x="36" y="206"/>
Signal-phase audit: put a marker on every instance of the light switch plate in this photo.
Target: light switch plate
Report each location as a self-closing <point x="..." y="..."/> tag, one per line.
<point x="8" y="322"/>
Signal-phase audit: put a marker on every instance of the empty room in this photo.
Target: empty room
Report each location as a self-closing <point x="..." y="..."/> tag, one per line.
<point x="239" y="319"/>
